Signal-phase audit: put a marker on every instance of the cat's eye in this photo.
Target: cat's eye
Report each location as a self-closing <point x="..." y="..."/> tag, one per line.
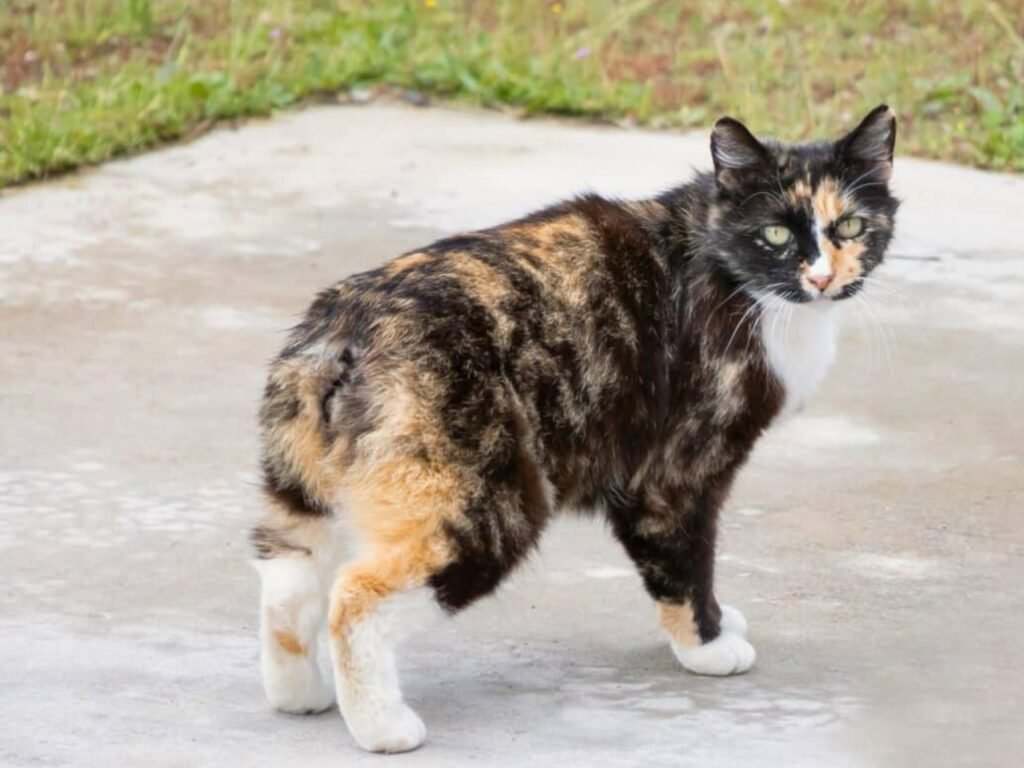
<point x="776" y="234"/>
<point x="850" y="228"/>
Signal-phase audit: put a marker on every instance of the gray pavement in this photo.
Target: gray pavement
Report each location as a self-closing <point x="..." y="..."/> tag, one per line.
<point x="875" y="542"/>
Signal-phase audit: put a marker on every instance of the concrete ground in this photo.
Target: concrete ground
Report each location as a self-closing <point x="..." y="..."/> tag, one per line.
<point x="875" y="542"/>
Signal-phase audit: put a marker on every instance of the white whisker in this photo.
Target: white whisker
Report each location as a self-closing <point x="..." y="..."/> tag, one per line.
<point x="752" y="308"/>
<point x="885" y="339"/>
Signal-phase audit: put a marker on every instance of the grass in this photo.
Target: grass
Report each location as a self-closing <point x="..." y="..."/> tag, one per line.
<point x="86" y="80"/>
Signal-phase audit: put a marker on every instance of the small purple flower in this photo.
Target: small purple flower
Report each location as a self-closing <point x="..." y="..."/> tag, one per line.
<point x="582" y="53"/>
<point x="275" y="33"/>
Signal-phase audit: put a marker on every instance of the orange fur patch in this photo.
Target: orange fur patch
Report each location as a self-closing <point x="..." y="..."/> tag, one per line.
<point x="408" y="261"/>
<point x="289" y="643"/>
<point x="565" y="226"/>
<point x="486" y="283"/>
<point x="300" y="442"/>
<point x="398" y="495"/>
<point x="826" y="201"/>
<point x="547" y="234"/>
<point x="799" y="192"/>
<point x="845" y="260"/>
<point x="679" y="622"/>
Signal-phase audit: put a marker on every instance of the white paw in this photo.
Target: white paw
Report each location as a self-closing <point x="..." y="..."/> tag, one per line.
<point x="296" y="688"/>
<point x="395" y="728"/>
<point x="727" y="654"/>
<point x="733" y="621"/>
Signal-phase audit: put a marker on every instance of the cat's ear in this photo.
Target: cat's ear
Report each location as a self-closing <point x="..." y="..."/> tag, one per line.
<point x="868" y="148"/>
<point x="737" y="154"/>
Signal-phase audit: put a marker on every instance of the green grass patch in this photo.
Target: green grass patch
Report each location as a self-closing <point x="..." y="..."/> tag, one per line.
<point x="86" y="80"/>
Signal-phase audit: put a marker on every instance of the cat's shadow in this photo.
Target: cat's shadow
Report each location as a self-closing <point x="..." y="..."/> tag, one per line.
<point x="623" y="688"/>
<point x="544" y="688"/>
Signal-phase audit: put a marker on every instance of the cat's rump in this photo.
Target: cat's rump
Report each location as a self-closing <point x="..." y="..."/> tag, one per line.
<point x="298" y="403"/>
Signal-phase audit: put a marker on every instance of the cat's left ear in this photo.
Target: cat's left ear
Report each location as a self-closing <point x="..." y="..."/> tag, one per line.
<point x="869" y="147"/>
<point x="738" y="155"/>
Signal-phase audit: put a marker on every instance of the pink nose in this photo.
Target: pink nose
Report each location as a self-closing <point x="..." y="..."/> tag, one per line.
<point x="821" y="282"/>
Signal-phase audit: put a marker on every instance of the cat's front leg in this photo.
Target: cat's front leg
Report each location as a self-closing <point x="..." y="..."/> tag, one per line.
<point x="670" y="535"/>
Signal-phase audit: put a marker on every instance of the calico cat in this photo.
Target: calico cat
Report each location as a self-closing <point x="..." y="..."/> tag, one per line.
<point x="426" y="419"/>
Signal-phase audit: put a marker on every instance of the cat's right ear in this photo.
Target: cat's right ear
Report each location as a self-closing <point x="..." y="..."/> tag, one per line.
<point x="737" y="154"/>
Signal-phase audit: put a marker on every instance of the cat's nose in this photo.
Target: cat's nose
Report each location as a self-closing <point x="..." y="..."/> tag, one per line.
<point x="821" y="282"/>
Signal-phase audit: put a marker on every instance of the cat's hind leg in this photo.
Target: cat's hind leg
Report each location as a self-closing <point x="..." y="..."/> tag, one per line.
<point x="433" y="538"/>
<point x="293" y="558"/>
<point x="377" y="603"/>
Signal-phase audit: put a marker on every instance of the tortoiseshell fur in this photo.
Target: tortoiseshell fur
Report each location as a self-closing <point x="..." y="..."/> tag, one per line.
<point x="597" y="355"/>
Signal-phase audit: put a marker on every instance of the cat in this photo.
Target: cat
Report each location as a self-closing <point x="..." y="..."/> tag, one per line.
<point x="426" y="419"/>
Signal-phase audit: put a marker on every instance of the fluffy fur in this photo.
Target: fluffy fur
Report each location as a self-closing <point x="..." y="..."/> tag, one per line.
<point x="605" y="356"/>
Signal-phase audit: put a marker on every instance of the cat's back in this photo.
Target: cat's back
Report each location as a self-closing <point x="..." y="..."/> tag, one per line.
<point x="581" y="273"/>
<point x="543" y="328"/>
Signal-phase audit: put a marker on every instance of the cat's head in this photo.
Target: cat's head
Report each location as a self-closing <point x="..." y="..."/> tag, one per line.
<point x="803" y="221"/>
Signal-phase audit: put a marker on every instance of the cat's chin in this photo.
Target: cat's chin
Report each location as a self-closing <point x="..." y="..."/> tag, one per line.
<point x="800" y="299"/>
<point x="822" y="300"/>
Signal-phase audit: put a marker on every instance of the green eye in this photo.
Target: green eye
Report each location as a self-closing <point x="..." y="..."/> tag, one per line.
<point x="776" y="234"/>
<point x="850" y="228"/>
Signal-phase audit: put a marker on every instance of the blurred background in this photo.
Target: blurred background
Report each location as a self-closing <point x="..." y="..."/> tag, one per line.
<point x="86" y="80"/>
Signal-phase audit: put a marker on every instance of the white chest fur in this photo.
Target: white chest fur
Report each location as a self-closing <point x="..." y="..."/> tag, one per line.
<point x="800" y="341"/>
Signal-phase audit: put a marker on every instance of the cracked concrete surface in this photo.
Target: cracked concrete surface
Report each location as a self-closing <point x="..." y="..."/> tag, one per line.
<point x="875" y="542"/>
